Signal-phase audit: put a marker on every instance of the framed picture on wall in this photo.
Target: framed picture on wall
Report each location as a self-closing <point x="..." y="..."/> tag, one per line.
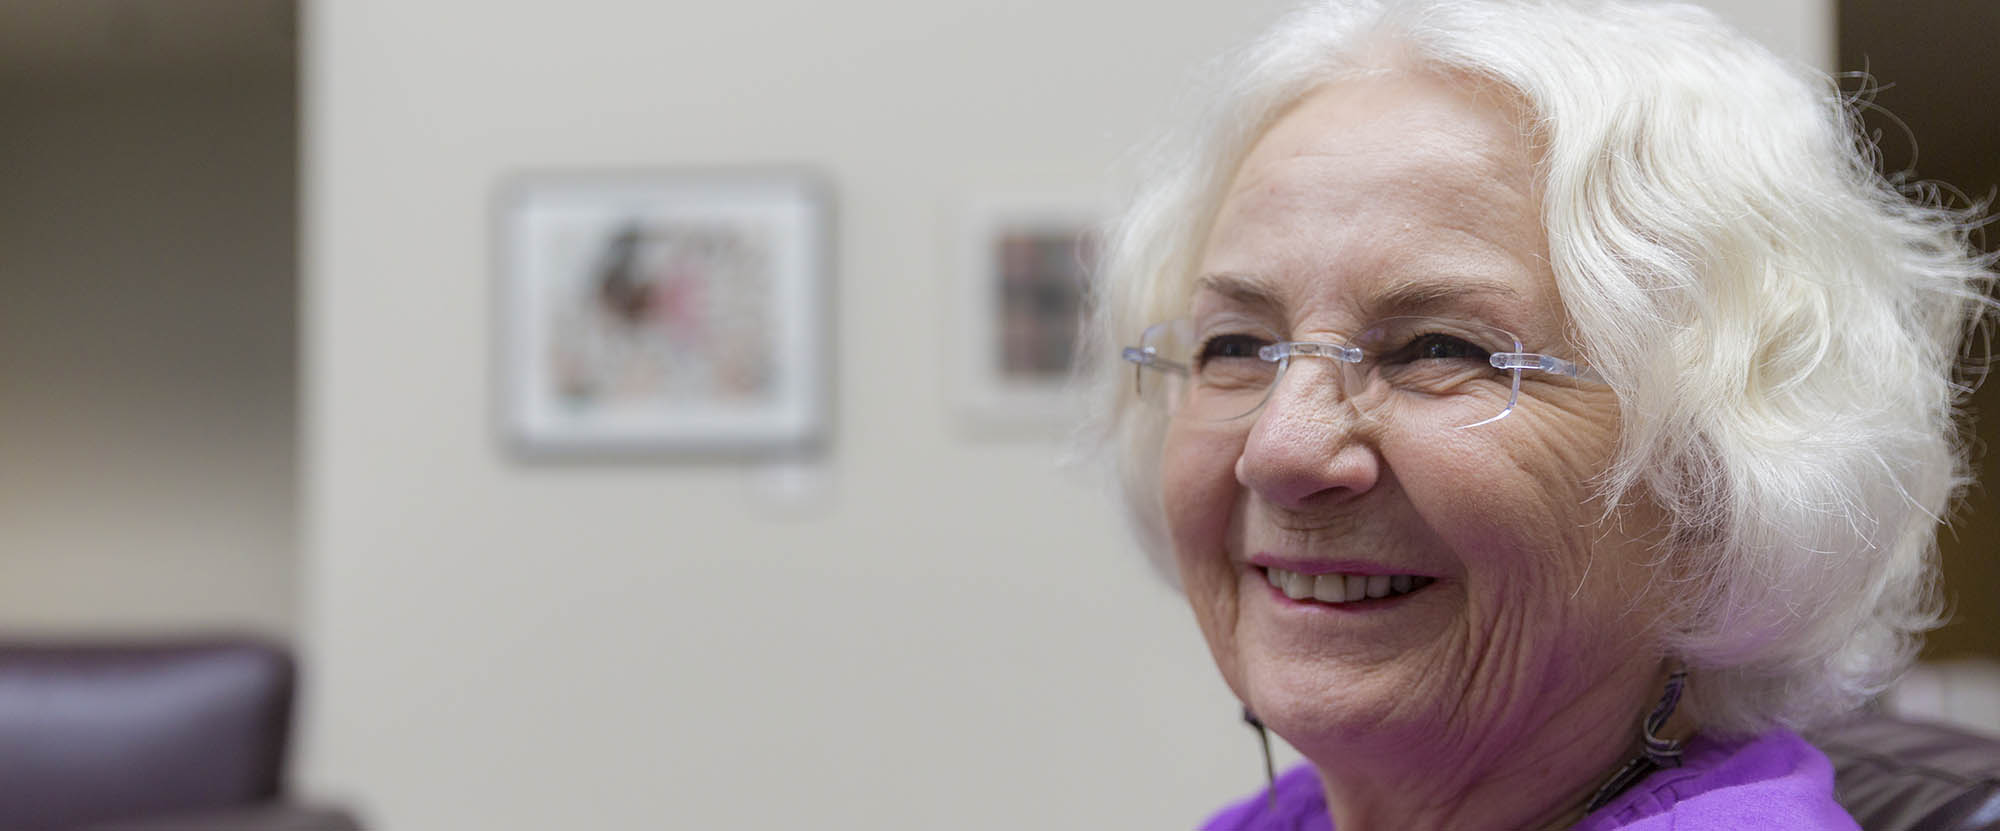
<point x="666" y="312"/>
<point x="1026" y="266"/>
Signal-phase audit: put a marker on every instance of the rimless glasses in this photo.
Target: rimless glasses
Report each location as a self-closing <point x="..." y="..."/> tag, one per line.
<point x="1431" y="370"/>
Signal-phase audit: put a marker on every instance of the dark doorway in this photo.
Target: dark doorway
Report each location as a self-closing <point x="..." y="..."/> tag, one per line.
<point x="148" y="315"/>
<point x="1929" y="65"/>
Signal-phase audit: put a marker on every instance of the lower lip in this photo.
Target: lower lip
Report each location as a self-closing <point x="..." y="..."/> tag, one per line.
<point x="1353" y="606"/>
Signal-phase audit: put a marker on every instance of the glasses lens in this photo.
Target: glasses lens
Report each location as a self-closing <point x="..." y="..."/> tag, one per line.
<point x="1209" y="374"/>
<point x="1228" y="378"/>
<point x="1435" y="371"/>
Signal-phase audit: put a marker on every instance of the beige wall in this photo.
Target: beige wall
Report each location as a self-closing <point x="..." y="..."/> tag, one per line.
<point x="147" y="352"/>
<point x="951" y="636"/>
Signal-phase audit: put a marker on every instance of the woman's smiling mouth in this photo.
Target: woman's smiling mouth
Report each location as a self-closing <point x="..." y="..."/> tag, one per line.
<point x="1337" y="588"/>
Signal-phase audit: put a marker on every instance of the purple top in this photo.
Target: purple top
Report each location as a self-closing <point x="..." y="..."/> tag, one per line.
<point x="1771" y="781"/>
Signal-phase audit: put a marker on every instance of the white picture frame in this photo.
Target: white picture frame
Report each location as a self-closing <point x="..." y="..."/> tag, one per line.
<point x="679" y="313"/>
<point x="1025" y="261"/>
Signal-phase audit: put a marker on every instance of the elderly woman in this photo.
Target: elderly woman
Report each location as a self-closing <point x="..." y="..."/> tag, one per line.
<point x="1546" y="409"/>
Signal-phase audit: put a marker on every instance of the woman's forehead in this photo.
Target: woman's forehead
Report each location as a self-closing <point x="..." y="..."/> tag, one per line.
<point x="1418" y="130"/>
<point x="1390" y="195"/>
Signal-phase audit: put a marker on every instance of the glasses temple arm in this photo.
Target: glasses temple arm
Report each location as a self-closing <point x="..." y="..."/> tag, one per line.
<point x="1546" y="363"/>
<point x="1148" y="357"/>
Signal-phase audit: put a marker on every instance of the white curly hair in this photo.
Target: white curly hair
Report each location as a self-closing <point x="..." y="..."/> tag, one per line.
<point x="1782" y="324"/>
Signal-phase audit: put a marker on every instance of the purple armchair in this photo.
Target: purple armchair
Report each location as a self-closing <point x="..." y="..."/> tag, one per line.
<point x="149" y="738"/>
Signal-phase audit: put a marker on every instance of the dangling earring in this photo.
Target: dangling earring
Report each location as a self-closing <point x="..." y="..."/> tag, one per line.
<point x="1270" y="772"/>
<point x="1654" y="752"/>
<point x="1665" y="753"/>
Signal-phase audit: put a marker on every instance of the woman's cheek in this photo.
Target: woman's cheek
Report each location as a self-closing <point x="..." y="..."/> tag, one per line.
<point x="1200" y="493"/>
<point x="1198" y="479"/>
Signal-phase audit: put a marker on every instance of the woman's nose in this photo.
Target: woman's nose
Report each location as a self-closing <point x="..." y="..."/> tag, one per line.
<point x="1307" y="447"/>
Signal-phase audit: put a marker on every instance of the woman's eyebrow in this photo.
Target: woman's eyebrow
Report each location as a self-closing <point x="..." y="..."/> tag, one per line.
<point x="1403" y="296"/>
<point x="1247" y="289"/>
<point x="1422" y="294"/>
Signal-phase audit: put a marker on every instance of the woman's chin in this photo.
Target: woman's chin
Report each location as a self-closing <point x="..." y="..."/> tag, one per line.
<point x="1318" y="708"/>
<point x="1324" y="675"/>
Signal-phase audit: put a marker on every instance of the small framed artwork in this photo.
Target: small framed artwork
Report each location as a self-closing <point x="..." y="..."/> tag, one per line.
<point x="1027" y="264"/>
<point x="675" y="313"/>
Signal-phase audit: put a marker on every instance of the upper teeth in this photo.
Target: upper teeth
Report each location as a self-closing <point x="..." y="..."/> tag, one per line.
<point x="1343" y="588"/>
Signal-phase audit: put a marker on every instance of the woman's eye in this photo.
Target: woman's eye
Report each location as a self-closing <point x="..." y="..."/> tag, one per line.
<point x="1438" y="347"/>
<point x="1229" y="346"/>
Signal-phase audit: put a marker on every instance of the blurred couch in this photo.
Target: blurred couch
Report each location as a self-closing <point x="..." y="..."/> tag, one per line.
<point x="1898" y="775"/>
<point x="150" y="737"/>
